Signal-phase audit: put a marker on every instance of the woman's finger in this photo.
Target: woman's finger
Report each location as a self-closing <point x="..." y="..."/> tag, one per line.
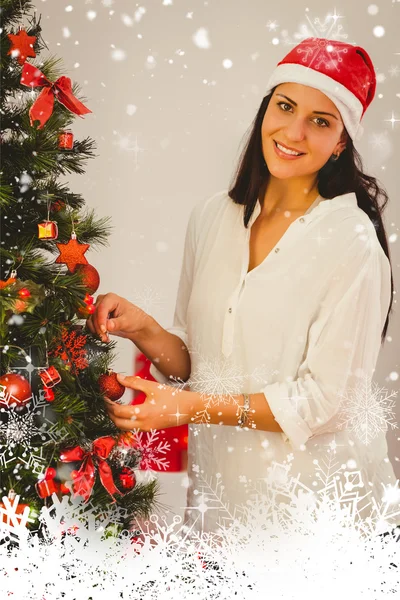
<point x="127" y="424"/>
<point x="123" y="412"/>
<point x="104" y="306"/>
<point x="93" y="316"/>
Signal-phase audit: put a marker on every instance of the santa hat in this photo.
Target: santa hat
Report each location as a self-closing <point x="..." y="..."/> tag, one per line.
<point x="343" y="72"/>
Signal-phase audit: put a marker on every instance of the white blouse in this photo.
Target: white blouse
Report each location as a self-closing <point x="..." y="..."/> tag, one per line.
<point x="304" y="328"/>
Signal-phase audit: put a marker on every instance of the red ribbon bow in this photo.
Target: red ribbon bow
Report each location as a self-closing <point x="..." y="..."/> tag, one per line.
<point x="84" y="478"/>
<point x="42" y="108"/>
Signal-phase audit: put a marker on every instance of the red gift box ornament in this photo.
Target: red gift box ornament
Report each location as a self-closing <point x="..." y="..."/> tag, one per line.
<point x="42" y="108"/>
<point x="47" y="486"/>
<point x="12" y="512"/>
<point x="48" y="230"/>
<point x="50" y="376"/>
<point x="83" y="480"/>
<point x="66" y="140"/>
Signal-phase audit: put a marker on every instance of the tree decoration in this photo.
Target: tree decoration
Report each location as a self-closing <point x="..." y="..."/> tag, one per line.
<point x="84" y="311"/>
<point x="22" y="45"/>
<point x="110" y="386"/>
<point x="48" y="394"/>
<point x="15" y="390"/>
<point x="83" y="480"/>
<point x="12" y="279"/>
<point x="38" y="296"/>
<point x="50" y="376"/>
<point x="22" y="296"/>
<point x="71" y="350"/>
<point x="46" y="486"/>
<point x="90" y="276"/>
<point x="72" y="253"/>
<point x="12" y="512"/>
<point x="66" y="140"/>
<point x="48" y="230"/>
<point x="24" y="293"/>
<point x="42" y="108"/>
<point x="57" y="205"/>
<point x="127" y="479"/>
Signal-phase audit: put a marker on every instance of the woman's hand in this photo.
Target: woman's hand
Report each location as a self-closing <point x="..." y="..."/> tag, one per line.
<point x="118" y="316"/>
<point x="165" y="406"/>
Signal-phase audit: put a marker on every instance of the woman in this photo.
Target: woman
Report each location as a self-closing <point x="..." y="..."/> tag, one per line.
<point x="286" y="286"/>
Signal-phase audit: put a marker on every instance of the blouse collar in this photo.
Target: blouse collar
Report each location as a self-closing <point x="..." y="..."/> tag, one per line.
<point x="349" y="199"/>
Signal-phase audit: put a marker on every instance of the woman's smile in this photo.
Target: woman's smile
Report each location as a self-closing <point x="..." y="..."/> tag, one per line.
<point x="285" y="154"/>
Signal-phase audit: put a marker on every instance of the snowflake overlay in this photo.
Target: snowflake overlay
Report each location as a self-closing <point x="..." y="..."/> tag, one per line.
<point x="367" y="410"/>
<point x="218" y="380"/>
<point x="251" y="553"/>
<point x="24" y="433"/>
<point x="152" y="450"/>
<point x="329" y="28"/>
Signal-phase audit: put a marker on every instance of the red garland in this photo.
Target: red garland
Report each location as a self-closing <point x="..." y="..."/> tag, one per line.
<point x="42" y="108"/>
<point x="84" y="478"/>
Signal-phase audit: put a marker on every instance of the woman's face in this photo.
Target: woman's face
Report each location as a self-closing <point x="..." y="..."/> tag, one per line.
<point x="291" y="120"/>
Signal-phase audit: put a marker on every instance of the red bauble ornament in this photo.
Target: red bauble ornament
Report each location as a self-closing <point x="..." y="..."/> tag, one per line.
<point x="50" y="473"/>
<point x="90" y="276"/>
<point x="15" y="390"/>
<point x="66" y="140"/>
<point x="87" y="310"/>
<point x="110" y="386"/>
<point x="127" y="479"/>
<point x="72" y="253"/>
<point x="22" y="45"/>
<point x="88" y="299"/>
<point x="24" y="293"/>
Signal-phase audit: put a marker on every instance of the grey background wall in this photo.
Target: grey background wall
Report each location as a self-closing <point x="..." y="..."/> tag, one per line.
<point x="174" y="86"/>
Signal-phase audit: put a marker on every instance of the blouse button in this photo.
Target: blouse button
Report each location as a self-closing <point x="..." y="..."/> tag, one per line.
<point x="276" y="249"/>
<point x="301" y="220"/>
<point x="230" y="310"/>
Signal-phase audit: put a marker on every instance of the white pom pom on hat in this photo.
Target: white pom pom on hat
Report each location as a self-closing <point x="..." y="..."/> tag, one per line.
<point x="343" y="72"/>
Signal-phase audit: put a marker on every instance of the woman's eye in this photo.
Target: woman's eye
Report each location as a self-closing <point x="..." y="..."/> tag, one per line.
<point x="323" y="122"/>
<point x="326" y="124"/>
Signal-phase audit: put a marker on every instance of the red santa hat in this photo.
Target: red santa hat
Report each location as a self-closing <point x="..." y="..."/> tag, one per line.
<point x="343" y="72"/>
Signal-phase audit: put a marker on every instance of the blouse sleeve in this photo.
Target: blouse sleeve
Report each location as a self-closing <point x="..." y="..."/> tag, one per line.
<point x="343" y="344"/>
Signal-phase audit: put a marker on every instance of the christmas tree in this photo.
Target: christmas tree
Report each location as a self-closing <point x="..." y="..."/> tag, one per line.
<point x="55" y="434"/>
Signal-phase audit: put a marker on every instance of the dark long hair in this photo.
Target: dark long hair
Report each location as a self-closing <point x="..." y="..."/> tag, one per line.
<point x="334" y="179"/>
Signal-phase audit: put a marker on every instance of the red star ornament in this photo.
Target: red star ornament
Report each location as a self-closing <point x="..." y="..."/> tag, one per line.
<point x="22" y="46"/>
<point x="72" y="253"/>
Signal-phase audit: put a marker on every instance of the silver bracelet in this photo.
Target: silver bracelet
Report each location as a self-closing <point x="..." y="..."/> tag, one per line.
<point x="244" y="411"/>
